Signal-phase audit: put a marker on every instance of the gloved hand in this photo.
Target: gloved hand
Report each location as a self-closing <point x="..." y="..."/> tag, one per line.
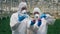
<point x="21" y="18"/>
<point x="39" y="22"/>
<point x="43" y="16"/>
<point x="25" y="15"/>
<point x="32" y="22"/>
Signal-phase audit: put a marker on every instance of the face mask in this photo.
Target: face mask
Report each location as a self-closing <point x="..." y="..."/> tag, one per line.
<point x="36" y="16"/>
<point x="24" y="12"/>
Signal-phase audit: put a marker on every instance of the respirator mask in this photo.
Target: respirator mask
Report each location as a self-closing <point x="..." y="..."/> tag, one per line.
<point x="36" y="15"/>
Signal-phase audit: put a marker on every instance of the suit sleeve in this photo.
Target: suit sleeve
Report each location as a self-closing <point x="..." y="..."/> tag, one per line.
<point x="13" y="22"/>
<point x="50" y="19"/>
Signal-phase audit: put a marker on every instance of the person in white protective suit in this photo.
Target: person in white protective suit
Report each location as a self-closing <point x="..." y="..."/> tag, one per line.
<point x="40" y="23"/>
<point x="19" y="19"/>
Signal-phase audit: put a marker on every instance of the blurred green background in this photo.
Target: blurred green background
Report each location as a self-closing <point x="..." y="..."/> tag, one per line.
<point x="5" y="27"/>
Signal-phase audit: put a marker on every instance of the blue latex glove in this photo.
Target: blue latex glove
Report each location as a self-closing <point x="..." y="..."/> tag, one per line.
<point x="25" y="15"/>
<point x="43" y="16"/>
<point x="39" y="22"/>
<point x="32" y="22"/>
<point x="21" y="18"/>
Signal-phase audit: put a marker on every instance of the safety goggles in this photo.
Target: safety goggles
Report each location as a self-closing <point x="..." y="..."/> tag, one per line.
<point x="24" y="8"/>
<point x="36" y="13"/>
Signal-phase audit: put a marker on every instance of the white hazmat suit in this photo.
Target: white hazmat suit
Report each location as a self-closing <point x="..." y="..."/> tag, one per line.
<point x="40" y="22"/>
<point x="18" y="20"/>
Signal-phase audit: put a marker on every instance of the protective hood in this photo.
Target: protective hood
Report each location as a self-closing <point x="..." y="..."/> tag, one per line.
<point x="36" y="9"/>
<point x="37" y="12"/>
<point x="21" y="5"/>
